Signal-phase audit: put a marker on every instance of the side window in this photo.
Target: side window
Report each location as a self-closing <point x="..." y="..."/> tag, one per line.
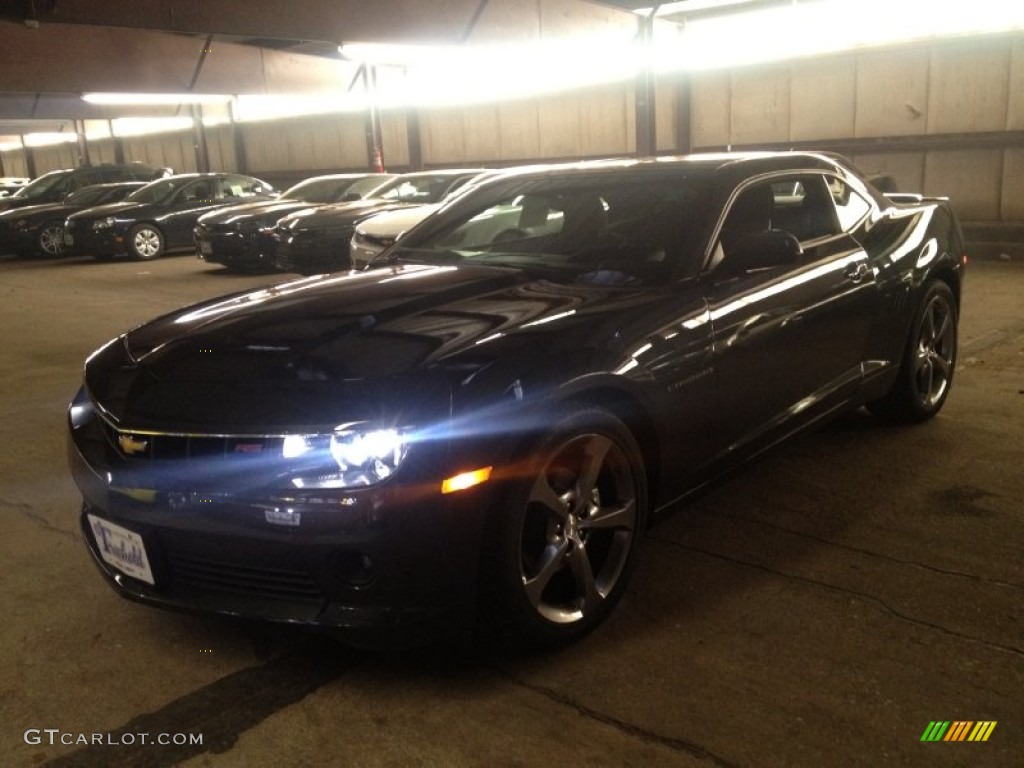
<point x="203" y="190"/>
<point x="241" y="186"/>
<point x="851" y="208"/>
<point x="804" y="208"/>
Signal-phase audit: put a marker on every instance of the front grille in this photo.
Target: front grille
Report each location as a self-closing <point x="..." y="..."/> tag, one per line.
<point x="184" y="447"/>
<point x="277" y="583"/>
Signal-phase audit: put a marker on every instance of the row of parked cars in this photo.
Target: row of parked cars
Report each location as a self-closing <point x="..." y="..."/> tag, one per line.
<point x="231" y="219"/>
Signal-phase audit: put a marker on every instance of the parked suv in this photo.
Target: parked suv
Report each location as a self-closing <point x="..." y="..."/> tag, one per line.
<point x="54" y="186"/>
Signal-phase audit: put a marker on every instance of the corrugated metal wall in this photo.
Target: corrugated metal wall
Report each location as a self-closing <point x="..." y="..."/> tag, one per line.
<point x="941" y="118"/>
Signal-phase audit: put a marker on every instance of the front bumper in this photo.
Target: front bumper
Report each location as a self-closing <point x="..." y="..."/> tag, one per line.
<point x="400" y="558"/>
<point x="313" y="253"/>
<point x="246" y="250"/>
<point x="81" y="238"/>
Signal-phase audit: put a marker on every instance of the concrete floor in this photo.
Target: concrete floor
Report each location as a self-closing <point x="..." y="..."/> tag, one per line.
<point x="818" y="609"/>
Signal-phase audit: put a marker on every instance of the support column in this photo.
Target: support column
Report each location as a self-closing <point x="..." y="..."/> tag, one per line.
<point x="117" y="142"/>
<point x="646" y="125"/>
<point x="30" y="161"/>
<point x="412" y="130"/>
<point x="684" y="113"/>
<point x="374" y="132"/>
<point x="238" y="140"/>
<point x="83" y="144"/>
<point x="199" y="140"/>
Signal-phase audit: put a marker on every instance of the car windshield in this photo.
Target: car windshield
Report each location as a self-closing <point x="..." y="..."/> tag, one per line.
<point x="88" y="196"/>
<point x="159" y="191"/>
<point x="610" y="229"/>
<point x="42" y="185"/>
<point x="418" y="189"/>
<point x="331" y="190"/>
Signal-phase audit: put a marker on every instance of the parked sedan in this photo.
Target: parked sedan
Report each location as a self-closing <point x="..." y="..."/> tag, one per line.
<point x="40" y="228"/>
<point x="317" y="239"/>
<point x="238" y="236"/>
<point x="376" y="234"/>
<point x="486" y="424"/>
<point x="158" y="217"/>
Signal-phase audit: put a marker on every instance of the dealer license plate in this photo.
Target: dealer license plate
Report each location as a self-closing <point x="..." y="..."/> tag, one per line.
<point x="205" y="248"/>
<point x="121" y="548"/>
<point x="69" y="239"/>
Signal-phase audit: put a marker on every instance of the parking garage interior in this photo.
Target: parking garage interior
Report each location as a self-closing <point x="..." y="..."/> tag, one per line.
<point x="824" y="606"/>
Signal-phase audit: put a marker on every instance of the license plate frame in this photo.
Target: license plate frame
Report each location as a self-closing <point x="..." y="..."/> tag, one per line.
<point x="122" y="549"/>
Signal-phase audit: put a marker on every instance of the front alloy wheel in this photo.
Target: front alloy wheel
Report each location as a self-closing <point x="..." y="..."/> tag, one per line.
<point x="145" y="242"/>
<point x="572" y="539"/>
<point x="51" y="239"/>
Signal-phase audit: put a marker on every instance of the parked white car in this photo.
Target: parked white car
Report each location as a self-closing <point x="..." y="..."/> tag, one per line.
<point x="375" y="234"/>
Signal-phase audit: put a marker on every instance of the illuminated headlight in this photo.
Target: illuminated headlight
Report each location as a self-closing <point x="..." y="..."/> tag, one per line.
<point x="81" y="410"/>
<point x="106" y="223"/>
<point x="347" y="458"/>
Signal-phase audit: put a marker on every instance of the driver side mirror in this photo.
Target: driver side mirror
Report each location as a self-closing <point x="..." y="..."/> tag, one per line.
<point x="771" y="248"/>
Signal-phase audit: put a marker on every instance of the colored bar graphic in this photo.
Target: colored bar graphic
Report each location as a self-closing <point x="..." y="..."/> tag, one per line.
<point x="958" y="730"/>
<point x="982" y="730"/>
<point x="935" y="731"/>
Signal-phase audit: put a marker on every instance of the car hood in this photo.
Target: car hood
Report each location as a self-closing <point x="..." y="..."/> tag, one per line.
<point x="396" y="222"/>
<point x="274" y="209"/>
<point x="108" y="209"/>
<point x="331" y="349"/>
<point x="43" y="209"/>
<point x="337" y="214"/>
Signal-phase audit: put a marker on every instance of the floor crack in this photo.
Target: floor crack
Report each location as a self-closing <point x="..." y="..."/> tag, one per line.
<point x="846" y="591"/>
<point x="673" y="743"/>
<point x="878" y="555"/>
<point x="29" y="513"/>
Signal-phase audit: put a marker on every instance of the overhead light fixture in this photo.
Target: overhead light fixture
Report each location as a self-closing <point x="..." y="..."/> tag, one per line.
<point x="822" y="27"/>
<point x="155" y="99"/>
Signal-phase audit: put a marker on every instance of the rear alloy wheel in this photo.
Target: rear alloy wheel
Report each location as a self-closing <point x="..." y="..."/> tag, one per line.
<point x="145" y="242"/>
<point x="926" y="373"/>
<point x="51" y="239"/>
<point x="569" y="543"/>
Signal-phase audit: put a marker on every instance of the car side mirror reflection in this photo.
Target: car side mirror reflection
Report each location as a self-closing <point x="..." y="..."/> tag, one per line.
<point x="771" y="248"/>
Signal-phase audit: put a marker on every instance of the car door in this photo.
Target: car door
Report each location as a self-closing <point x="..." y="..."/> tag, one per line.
<point x="188" y="204"/>
<point x="789" y="338"/>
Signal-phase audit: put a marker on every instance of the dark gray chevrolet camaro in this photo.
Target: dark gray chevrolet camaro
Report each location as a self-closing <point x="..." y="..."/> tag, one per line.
<point x="483" y="422"/>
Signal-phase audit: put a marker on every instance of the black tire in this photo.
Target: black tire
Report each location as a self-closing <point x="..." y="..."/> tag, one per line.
<point x="145" y="242"/>
<point x="566" y="543"/>
<point x="51" y="239"/>
<point x="929" y="360"/>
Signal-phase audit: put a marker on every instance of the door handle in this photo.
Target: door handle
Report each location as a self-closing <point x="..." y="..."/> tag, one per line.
<point x="857" y="272"/>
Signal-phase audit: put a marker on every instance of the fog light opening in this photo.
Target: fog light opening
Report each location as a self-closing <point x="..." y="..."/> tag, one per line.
<point x="354" y="568"/>
<point x="464" y="480"/>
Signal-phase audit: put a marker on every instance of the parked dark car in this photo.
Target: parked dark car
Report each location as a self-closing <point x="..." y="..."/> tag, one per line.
<point x="488" y="419"/>
<point x="54" y="186"/>
<point x="160" y="216"/>
<point x="40" y="228"/>
<point x="316" y="240"/>
<point x="239" y="236"/>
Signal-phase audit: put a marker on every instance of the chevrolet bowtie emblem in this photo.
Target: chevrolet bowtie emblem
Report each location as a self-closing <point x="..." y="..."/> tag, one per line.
<point x="130" y="446"/>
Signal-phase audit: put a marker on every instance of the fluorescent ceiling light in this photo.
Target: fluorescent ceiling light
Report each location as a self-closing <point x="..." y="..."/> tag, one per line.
<point x="47" y="139"/>
<point x="688" y="6"/>
<point x="151" y="99"/>
<point x="818" y="28"/>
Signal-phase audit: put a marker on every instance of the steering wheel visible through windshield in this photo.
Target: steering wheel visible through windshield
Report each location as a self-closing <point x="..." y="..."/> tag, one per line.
<point x="611" y="231"/>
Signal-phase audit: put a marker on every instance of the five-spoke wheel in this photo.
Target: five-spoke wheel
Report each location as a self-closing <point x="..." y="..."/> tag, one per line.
<point x="570" y="539"/>
<point x="926" y="371"/>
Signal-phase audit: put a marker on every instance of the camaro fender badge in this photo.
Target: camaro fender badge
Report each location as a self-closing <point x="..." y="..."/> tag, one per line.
<point x="130" y="446"/>
<point x="286" y="516"/>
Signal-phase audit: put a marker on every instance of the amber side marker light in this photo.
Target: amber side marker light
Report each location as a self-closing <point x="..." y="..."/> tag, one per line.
<point x="464" y="480"/>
